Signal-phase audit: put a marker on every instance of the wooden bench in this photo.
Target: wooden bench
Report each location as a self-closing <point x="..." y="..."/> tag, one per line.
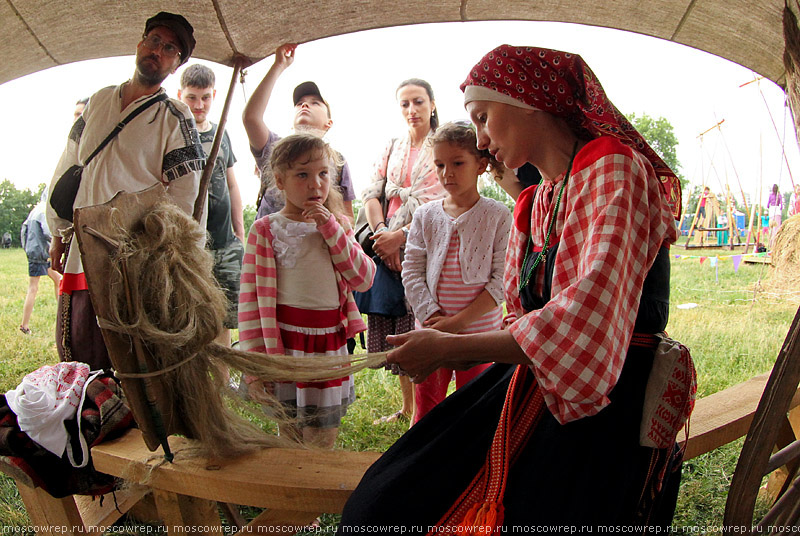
<point x="295" y="486"/>
<point x="725" y="416"/>
<point x="74" y="513"/>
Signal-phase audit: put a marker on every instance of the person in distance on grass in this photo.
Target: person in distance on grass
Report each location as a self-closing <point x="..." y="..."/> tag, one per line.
<point x="794" y="201"/>
<point x="403" y="180"/>
<point x="775" y="212"/>
<point x="35" y="237"/>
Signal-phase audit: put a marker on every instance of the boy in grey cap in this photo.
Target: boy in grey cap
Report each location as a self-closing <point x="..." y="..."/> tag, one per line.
<point x="312" y="114"/>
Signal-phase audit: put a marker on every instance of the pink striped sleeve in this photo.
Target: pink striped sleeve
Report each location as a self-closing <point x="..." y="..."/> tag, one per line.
<point x="258" y="329"/>
<point x="348" y="258"/>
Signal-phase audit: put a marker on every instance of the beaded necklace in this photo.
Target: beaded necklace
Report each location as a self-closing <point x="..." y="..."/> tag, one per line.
<point x="527" y="271"/>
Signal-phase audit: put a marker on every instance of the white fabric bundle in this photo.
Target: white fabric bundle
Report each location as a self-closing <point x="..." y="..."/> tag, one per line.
<point x="45" y="399"/>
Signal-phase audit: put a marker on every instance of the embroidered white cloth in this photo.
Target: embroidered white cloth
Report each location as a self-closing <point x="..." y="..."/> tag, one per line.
<point x="45" y="399"/>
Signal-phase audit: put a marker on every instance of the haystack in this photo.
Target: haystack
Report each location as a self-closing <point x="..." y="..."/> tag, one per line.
<point x="786" y="260"/>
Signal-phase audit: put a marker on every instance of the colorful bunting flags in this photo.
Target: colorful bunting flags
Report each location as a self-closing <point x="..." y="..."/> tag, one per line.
<point x="714" y="261"/>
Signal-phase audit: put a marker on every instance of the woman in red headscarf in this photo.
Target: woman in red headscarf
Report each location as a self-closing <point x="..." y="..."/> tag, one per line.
<point x="551" y="434"/>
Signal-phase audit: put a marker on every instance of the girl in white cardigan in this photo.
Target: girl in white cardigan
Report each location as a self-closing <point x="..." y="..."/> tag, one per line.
<point x="455" y="253"/>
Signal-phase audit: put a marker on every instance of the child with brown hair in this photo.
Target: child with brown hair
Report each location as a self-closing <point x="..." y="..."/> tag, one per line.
<point x="301" y="265"/>
<point x="455" y="253"/>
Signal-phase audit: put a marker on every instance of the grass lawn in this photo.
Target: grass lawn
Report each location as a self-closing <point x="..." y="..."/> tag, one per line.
<point x="733" y="332"/>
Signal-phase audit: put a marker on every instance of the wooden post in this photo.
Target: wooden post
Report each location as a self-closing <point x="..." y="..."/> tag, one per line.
<point x="181" y="513"/>
<point x="750" y="233"/>
<point x="760" y="208"/>
<point x="694" y="220"/>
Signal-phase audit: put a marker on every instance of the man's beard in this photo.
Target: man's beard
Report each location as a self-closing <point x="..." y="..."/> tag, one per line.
<point x="148" y="76"/>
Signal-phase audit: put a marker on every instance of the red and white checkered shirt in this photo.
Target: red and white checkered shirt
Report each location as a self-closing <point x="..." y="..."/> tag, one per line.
<point x="611" y="223"/>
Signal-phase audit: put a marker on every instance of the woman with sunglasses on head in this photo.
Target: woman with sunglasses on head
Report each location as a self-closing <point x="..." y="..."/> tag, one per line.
<point x="551" y="433"/>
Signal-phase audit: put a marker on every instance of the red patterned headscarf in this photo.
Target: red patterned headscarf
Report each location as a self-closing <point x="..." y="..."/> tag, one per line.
<point x="562" y="84"/>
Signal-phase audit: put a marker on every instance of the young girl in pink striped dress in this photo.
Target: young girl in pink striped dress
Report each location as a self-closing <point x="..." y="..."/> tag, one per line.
<point x="455" y="254"/>
<point x="300" y="267"/>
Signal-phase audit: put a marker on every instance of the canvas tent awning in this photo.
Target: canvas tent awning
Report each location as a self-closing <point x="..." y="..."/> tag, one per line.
<point x="39" y="34"/>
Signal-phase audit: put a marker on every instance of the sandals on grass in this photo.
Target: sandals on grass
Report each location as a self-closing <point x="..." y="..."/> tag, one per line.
<point x="394" y="417"/>
<point x="26" y="331"/>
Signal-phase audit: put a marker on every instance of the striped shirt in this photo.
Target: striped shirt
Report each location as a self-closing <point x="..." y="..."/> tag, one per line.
<point x="258" y="326"/>
<point x="454" y="295"/>
<point x="483" y="235"/>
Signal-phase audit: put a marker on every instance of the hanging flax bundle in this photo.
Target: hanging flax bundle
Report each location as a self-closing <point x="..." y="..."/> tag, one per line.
<point x="173" y="305"/>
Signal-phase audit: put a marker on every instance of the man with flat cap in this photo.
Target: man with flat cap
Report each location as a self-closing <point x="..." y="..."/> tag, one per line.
<point x="159" y="145"/>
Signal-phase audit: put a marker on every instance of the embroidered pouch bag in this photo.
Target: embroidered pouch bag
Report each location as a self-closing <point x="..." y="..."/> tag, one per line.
<point x="670" y="394"/>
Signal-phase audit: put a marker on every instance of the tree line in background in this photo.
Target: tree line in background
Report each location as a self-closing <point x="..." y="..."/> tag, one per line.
<point x="15" y="205"/>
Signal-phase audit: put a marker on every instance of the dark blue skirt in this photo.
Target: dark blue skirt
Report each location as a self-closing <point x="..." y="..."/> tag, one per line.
<point x="588" y="472"/>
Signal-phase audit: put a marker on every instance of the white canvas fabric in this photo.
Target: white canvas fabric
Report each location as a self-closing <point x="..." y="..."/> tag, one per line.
<point x="44" y="33"/>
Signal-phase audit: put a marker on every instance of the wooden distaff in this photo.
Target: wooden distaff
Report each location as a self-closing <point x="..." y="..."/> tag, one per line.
<point x="150" y="401"/>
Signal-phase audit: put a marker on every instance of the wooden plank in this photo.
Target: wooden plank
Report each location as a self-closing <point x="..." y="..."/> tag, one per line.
<point x="282" y="479"/>
<point x="282" y="521"/>
<point x="47" y="512"/>
<point x="181" y="512"/>
<point x="780" y="480"/>
<point x="232" y="515"/>
<point x="78" y="512"/>
<point x="19" y="476"/>
<point x="145" y="510"/>
<point x="758" y="260"/>
<point x="725" y="416"/>
<point x="104" y="513"/>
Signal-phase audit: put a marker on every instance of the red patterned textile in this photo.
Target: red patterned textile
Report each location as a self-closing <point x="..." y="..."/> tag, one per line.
<point x="104" y="416"/>
<point x="562" y="84"/>
<point x="671" y="393"/>
<point x="479" y="509"/>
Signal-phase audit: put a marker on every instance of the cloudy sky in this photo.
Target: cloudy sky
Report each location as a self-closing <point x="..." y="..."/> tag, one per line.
<point x="358" y="75"/>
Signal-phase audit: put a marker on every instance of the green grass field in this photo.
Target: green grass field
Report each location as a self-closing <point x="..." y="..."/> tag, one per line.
<point x="734" y="333"/>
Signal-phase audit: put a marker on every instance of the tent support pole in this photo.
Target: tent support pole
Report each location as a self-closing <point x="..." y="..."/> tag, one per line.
<point x="202" y="193"/>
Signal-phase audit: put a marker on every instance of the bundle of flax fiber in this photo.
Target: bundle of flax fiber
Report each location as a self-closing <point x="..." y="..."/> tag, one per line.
<point x="175" y="308"/>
